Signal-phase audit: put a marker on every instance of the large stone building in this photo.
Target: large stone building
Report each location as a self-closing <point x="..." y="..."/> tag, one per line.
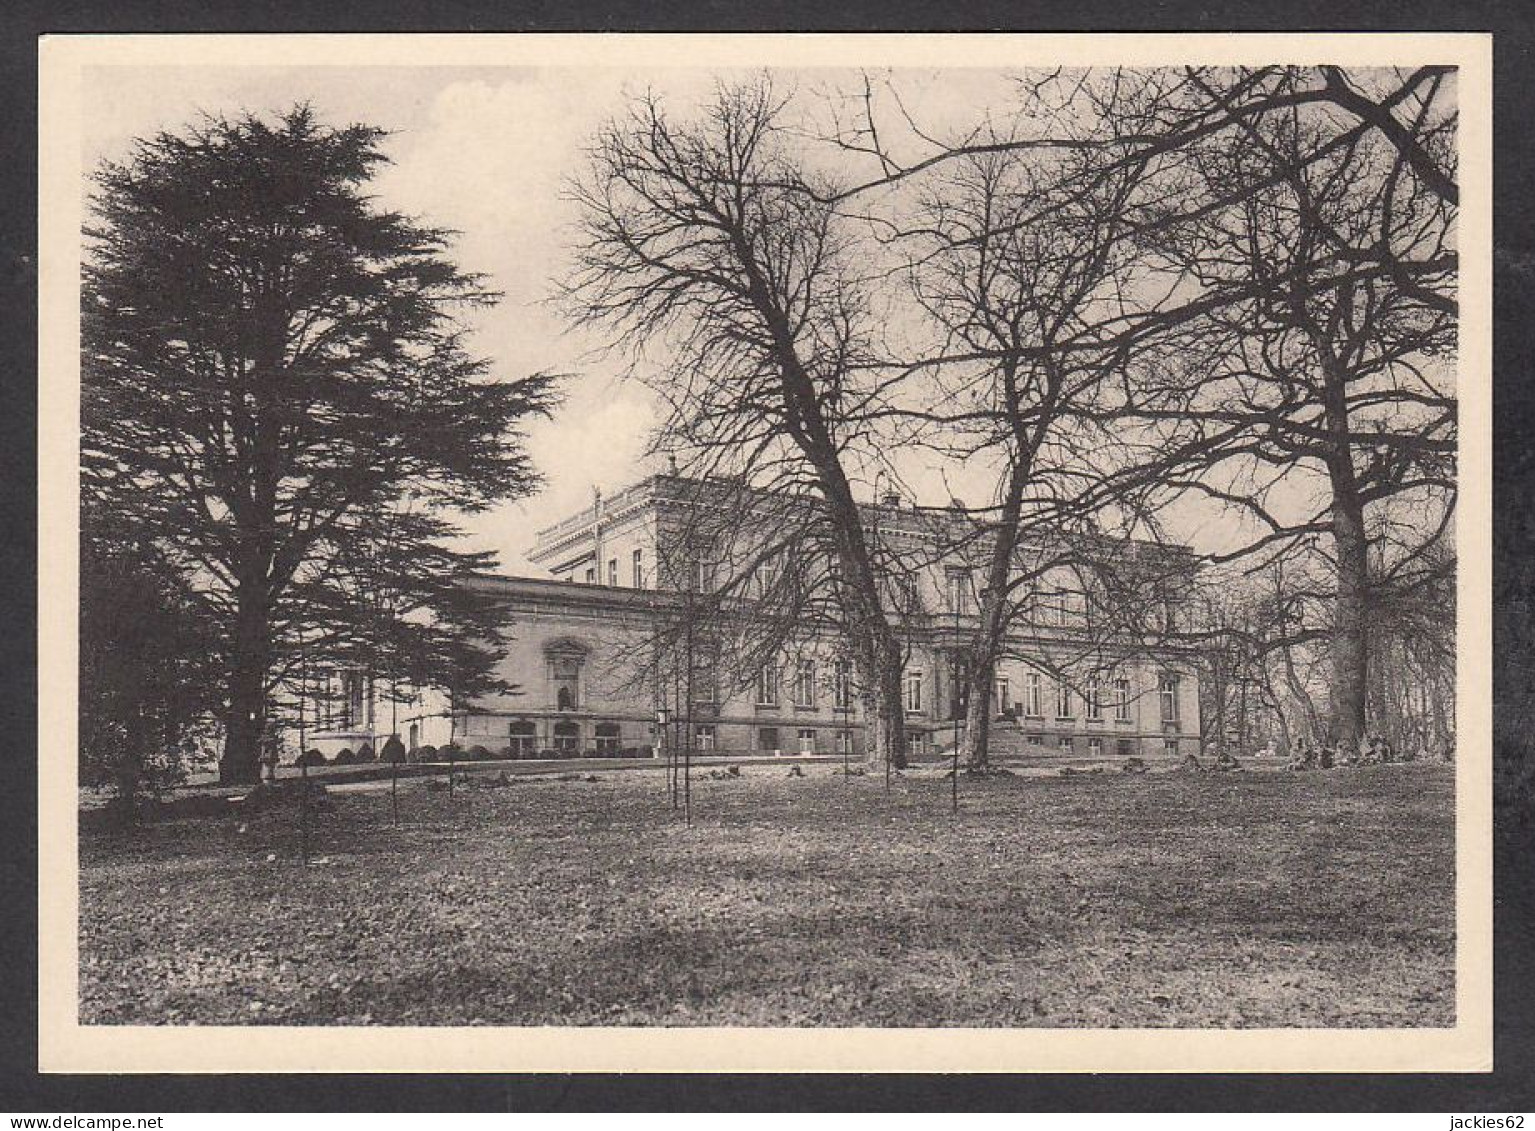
<point x="595" y="649"/>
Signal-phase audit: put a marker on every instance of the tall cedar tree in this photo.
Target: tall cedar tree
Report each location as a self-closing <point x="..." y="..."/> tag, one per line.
<point x="272" y="363"/>
<point x="145" y="656"/>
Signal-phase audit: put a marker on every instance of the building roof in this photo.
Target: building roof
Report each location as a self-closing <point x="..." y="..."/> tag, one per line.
<point x="922" y="522"/>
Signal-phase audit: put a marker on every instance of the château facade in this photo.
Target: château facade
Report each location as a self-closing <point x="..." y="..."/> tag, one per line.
<point x="598" y="644"/>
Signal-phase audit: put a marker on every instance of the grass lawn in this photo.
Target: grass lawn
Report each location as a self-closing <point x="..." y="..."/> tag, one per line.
<point x="1233" y="900"/>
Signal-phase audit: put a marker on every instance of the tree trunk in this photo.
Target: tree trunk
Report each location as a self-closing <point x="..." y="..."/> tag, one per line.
<point x="994" y="605"/>
<point x="975" y="740"/>
<point x="245" y="722"/>
<point x="884" y="712"/>
<point x="241" y="761"/>
<point x="1350" y="642"/>
<point x="1351" y="654"/>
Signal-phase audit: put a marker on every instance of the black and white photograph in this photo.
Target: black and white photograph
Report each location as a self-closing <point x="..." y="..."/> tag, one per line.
<point x="751" y="542"/>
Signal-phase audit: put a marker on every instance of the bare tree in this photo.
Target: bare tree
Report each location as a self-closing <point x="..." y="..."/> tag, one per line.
<point x="709" y="241"/>
<point x="1320" y="404"/>
<point x="1016" y="300"/>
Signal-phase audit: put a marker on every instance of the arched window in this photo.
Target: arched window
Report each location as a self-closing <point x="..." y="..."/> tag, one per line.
<point x="564" y="659"/>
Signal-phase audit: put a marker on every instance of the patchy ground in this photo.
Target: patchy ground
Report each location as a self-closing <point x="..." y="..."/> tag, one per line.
<point x="1257" y="899"/>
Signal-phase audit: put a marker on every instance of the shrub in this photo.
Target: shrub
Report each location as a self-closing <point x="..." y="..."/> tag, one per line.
<point x="426" y="754"/>
<point x="344" y="757"/>
<point x="310" y="757"/>
<point x="479" y="753"/>
<point x="393" y="749"/>
<point x="365" y="753"/>
<point x="452" y="752"/>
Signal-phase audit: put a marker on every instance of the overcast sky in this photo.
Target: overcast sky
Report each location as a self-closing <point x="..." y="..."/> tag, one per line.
<point x="484" y="151"/>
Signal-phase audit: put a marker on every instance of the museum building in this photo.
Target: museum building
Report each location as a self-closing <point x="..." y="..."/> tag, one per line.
<point x="591" y="677"/>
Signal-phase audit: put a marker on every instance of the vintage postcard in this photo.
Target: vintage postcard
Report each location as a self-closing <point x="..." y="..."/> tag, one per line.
<point x="889" y="553"/>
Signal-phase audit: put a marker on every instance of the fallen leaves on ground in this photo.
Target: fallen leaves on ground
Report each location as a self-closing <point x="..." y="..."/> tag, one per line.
<point x="1252" y="900"/>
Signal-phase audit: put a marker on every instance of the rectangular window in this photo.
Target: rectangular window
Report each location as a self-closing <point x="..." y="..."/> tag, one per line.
<point x="1095" y="747"/>
<point x="1061" y="608"/>
<point x="639" y="569"/>
<point x="767" y="740"/>
<point x="914" y="691"/>
<point x="1125" y="747"/>
<point x="917" y="741"/>
<point x="1034" y="696"/>
<point x="1004" y="696"/>
<point x="1170" y="747"/>
<point x="704" y="675"/>
<point x="842" y="689"/>
<point x="959" y="591"/>
<point x="804" y="682"/>
<point x="1170" y="612"/>
<point x="807" y="742"/>
<point x="1167" y="690"/>
<point x="1066" y="743"/>
<point x="705" y="736"/>
<point x="1094" y="701"/>
<point x="1036" y="740"/>
<point x="1121" y="700"/>
<point x="613" y="571"/>
<point x="1062" y="701"/>
<point x="351" y="708"/>
<point x="591" y="575"/>
<point x="844" y="742"/>
<point x="959" y="684"/>
<point x="767" y="686"/>
<point x="1028" y="603"/>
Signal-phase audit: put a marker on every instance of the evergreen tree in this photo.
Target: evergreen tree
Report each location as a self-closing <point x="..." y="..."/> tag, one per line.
<point x="146" y="651"/>
<point x="272" y="363"/>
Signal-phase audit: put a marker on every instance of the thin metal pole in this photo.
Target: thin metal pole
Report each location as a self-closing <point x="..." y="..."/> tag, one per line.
<point x="692" y="731"/>
<point x="676" y="722"/>
<point x="303" y="695"/>
<point x="303" y="811"/>
<point x="960" y="703"/>
<point x="954" y="780"/>
<point x="394" y="789"/>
